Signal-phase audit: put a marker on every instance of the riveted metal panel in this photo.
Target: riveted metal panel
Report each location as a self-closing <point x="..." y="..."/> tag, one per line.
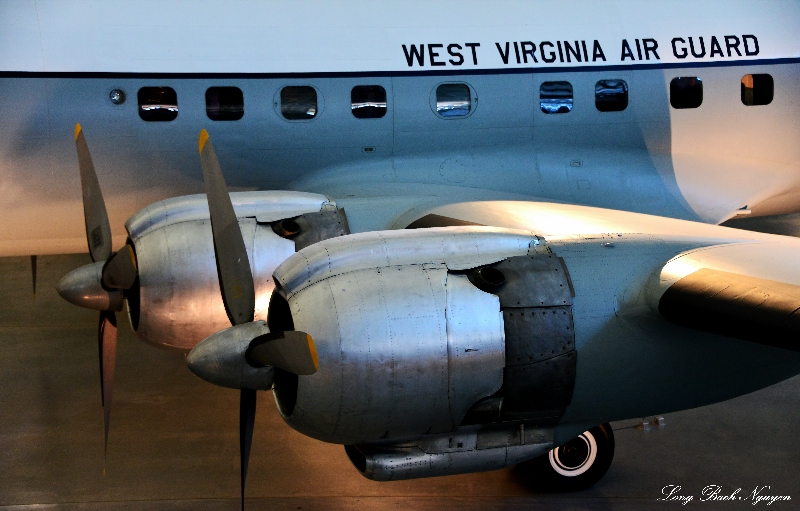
<point x="264" y="206"/>
<point x="539" y="375"/>
<point x="475" y="345"/>
<point x="269" y="250"/>
<point x="536" y="334"/>
<point x="457" y="247"/>
<point x="541" y="390"/>
<point x="324" y="407"/>
<point x="467" y="449"/>
<point x="502" y="435"/>
<point x="180" y="304"/>
<point x="381" y="339"/>
<point x="512" y="433"/>
<point x="534" y="281"/>
<point x="179" y="301"/>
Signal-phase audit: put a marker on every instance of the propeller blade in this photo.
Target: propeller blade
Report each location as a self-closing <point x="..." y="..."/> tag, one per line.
<point x="247" y="418"/>
<point x="98" y="230"/>
<point x="33" y="274"/>
<point x="233" y="267"/>
<point x="120" y="271"/>
<point x="107" y="337"/>
<point x="291" y="351"/>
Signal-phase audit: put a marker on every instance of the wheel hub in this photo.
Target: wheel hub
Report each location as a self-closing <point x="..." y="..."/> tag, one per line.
<point x="575" y="457"/>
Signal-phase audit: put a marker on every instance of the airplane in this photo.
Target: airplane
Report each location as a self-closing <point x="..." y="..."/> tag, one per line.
<point x="413" y="253"/>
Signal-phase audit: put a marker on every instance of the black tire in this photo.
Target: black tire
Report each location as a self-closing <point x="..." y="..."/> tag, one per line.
<point x="574" y="466"/>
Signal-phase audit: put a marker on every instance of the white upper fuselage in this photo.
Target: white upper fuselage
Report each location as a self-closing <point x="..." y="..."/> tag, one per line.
<point x="305" y="37"/>
<point x="59" y="61"/>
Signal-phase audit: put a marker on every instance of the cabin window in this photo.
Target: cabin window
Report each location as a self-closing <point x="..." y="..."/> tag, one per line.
<point x="368" y="101"/>
<point x="611" y="95"/>
<point x="158" y="104"/>
<point x="453" y="100"/>
<point x="299" y="102"/>
<point x="757" y="89"/>
<point x="686" y="92"/>
<point x="555" y="97"/>
<point x="224" y="103"/>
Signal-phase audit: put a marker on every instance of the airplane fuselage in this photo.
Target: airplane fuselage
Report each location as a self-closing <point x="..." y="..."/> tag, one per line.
<point x="707" y="163"/>
<point x="442" y="261"/>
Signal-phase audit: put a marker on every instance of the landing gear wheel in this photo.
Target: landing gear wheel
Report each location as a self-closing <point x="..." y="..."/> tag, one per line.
<point x="576" y="465"/>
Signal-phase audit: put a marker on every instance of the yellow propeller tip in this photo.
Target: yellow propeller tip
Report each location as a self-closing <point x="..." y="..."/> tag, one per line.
<point x="201" y="141"/>
<point x="132" y="256"/>
<point x="77" y="130"/>
<point x="312" y="348"/>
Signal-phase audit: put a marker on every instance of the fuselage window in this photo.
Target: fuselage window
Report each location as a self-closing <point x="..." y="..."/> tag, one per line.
<point x="299" y="102"/>
<point x="453" y="100"/>
<point x="686" y="92"/>
<point x="757" y="89"/>
<point x="555" y="97"/>
<point x="158" y="104"/>
<point x="224" y="103"/>
<point x="611" y="95"/>
<point x="368" y="101"/>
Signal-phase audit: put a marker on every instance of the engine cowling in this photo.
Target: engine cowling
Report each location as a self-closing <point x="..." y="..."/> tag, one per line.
<point x="176" y="303"/>
<point x="415" y="338"/>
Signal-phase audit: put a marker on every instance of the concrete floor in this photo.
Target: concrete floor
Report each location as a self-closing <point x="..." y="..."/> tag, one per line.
<point x="174" y="438"/>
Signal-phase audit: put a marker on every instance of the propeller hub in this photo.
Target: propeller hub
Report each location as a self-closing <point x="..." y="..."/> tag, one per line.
<point x="220" y="358"/>
<point x="83" y="287"/>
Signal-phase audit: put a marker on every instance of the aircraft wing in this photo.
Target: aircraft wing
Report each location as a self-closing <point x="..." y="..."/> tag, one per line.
<point x="728" y="288"/>
<point x="734" y="305"/>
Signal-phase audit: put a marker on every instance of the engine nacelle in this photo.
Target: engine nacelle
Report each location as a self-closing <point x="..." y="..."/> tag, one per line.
<point x="416" y="336"/>
<point x="176" y="302"/>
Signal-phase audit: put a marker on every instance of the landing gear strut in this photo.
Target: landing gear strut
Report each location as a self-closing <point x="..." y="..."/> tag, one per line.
<point x="576" y="465"/>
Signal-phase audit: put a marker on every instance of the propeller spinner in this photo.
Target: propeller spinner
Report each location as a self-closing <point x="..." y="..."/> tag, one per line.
<point x="100" y="286"/>
<point x="221" y="358"/>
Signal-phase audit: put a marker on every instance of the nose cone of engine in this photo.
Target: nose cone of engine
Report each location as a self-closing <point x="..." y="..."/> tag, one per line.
<point x="82" y="287"/>
<point x="220" y="358"/>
